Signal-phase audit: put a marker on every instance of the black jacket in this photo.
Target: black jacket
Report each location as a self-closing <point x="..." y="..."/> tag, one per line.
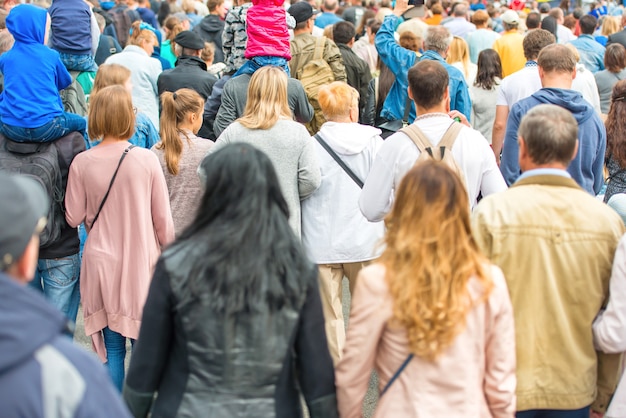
<point x="205" y="364"/>
<point x="358" y="74"/>
<point x="190" y="72"/>
<point x="210" y="30"/>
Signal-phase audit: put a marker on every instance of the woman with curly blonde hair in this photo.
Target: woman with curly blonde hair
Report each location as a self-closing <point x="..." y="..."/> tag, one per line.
<point x="432" y="316"/>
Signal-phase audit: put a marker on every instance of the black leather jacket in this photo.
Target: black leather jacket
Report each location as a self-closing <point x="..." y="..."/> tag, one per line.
<point x="203" y="364"/>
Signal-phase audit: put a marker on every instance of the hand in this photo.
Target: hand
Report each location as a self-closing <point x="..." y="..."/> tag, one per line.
<point x="401" y="7"/>
<point x="595" y="414"/>
<point x="456" y="114"/>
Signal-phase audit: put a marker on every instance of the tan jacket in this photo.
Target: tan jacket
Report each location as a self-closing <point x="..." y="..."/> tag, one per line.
<point x="555" y="244"/>
<point x="475" y="377"/>
<point x="303" y="50"/>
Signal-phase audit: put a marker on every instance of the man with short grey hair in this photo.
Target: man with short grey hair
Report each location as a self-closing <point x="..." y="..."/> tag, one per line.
<point x="42" y="373"/>
<point x="557" y="70"/>
<point x="458" y="25"/>
<point x="555" y="245"/>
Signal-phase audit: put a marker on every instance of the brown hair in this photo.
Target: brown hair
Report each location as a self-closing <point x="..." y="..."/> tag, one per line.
<point x="208" y="52"/>
<point x="267" y="99"/>
<point x="556" y="58"/>
<point x="111" y="114"/>
<point x="428" y="81"/>
<point x="535" y="41"/>
<point x="615" y="58"/>
<point x="213" y="4"/>
<point x="175" y="108"/>
<point x="173" y="27"/>
<point x="409" y="40"/>
<point x="110" y="75"/>
<point x="615" y="128"/>
<point x="429" y="258"/>
<point x="480" y="18"/>
<point x="138" y="36"/>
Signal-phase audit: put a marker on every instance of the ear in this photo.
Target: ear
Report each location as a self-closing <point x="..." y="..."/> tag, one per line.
<point x="410" y="93"/>
<point x="574" y="74"/>
<point x="24" y="269"/>
<point x="575" y="150"/>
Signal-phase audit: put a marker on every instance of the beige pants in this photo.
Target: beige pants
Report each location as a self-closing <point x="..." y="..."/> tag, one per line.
<point x="330" y="280"/>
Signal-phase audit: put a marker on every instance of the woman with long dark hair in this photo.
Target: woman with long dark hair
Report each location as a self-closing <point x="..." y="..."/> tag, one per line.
<point x="233" y="324"/>
<point x="433" y="312"/>
<point x="615" y="159"/>
<point x="484" y="92"/>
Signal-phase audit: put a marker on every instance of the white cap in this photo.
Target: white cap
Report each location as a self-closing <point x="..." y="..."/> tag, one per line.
<point x="510" y="17"/>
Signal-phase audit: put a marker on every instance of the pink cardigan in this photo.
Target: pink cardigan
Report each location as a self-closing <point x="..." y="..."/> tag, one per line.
<point x="475" y="377"/>
<point x="266" y="26"/>
<point x="125" y="243"/>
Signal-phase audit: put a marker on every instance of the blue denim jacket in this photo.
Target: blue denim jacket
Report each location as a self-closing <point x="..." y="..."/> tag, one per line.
<point x="145" y="135"/>
<point x="399" y="60"/>
<point x="591" y="52"/>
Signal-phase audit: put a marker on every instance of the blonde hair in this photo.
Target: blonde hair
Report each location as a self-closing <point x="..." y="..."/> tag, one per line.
<point x="138" y="36"/>
<point x="175" y="108"/>
<point x="208" y="52"/>
<point x="459" y="52"/>
<point x="267" y="99"/>
<point x="430" y="256"/>
<point x="111" y="114"/>
<point x="610" y="26"/>
<point x="172" y="27"/>
<point x="336" y="99"/>
<point x="110" y="75"/>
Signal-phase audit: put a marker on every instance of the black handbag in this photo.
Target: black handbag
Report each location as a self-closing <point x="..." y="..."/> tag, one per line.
<point x="392" y="126"/>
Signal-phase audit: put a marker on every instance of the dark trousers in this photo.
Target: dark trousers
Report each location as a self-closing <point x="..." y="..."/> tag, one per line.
<point x="553" y="413"/>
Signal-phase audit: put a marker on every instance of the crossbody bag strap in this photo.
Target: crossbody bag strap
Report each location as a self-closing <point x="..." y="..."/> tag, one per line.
<point x="106" y="195"/>
<point x="449" y="137"/>
<point x="419" y="139"/>
<point x="339" y="161"/>
<point x="396" y="374"/>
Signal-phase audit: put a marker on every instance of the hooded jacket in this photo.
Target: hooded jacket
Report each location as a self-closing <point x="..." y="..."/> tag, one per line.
<point x="333" y="229"/>
<point x="33" y="73"/>
<point x="210" y="30"/>
<point x="41" y="371"/>
<point x="586" y="167"/>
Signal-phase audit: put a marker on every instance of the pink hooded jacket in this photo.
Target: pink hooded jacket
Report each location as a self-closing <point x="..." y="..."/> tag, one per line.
<point x="266" y="26"/>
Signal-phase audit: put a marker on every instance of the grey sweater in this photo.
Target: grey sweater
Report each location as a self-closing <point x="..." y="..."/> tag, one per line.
<point x="292" y="151"/>
<point x="605" y="80"/>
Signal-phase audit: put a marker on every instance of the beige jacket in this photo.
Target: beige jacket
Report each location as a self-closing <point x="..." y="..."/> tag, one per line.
<point x="303" y="51"/>
<point x="475" y="377"/>
<point x="555" y="244"/>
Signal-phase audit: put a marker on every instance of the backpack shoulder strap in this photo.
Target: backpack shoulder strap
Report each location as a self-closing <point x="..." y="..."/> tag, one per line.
<point x="449" y="137"/>
<point x="419" y="139"/>
<point x="319" y="48"/>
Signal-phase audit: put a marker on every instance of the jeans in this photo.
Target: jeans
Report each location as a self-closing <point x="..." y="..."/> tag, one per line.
<point x="115" y="344"/>
<point x="75" y="62"/>
<point x="548" y="413"/>
<point x="58" y="279"/>
<point x="255" y="63"/>
<point x="53" y="130"/>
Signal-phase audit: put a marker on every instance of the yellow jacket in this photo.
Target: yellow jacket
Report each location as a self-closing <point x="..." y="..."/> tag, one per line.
<point x="555" y="244"/>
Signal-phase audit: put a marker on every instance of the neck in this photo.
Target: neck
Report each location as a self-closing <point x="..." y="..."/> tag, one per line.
<point x="301" y="31"/>
<point x="557" y="82"/>
<point x="110" y="140"/>
<point x="345" y="119"/>
<point x="441" y="108"/>
<point x="186" y="125"/>
<point x="552" y="165"/>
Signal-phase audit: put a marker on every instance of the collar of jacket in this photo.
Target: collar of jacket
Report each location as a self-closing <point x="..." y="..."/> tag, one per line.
<point x="548" y="180"/>
<point x="432" y="55"/>
<point x="190" y="60"/>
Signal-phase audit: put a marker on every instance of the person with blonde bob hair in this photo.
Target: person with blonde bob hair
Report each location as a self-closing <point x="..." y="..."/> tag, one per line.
<point x="268" y="125"/>
<point x="144" y="70"/>
<point x="432" y="316"/>
<point x="459" y="57"/>
<point x="334" y="231"/>
<point x="145" y="134"/>
<point x="180" y="152"/>
<point x="118" y="191"/>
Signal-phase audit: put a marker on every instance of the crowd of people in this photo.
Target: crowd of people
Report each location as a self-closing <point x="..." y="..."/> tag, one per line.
<point x="200" y="177"/>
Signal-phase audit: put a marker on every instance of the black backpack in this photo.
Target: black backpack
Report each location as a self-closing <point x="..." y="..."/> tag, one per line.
<point x="41" y="163"/>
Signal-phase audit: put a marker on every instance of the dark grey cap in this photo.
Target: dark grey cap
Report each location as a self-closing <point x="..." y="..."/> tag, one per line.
<point x="23" y="209"/>
<point x="302" y="11"/>
<point x="190" y="40"/>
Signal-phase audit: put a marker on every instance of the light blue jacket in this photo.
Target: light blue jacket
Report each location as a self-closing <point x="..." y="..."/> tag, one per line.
<point x="591" y="52"/>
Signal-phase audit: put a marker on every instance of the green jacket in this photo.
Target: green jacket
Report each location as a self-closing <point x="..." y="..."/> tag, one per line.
<point x="555" y="244"/>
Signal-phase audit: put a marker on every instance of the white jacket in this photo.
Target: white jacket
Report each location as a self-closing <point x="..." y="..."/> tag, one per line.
<point x="333" y="228"/>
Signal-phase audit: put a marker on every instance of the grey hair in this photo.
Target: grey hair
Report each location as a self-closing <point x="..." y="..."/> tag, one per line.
<point x="6" y="41"/>
<point x="550" y="133"/>
<point x="438" y="39"/>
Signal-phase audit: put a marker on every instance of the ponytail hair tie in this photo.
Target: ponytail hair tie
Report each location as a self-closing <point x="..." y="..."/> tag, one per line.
<point x="174" y="96"/>
<point x="618" y="99"/>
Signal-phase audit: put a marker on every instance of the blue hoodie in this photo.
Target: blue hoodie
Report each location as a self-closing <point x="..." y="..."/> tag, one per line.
<point x="42" y="372"/>
<point x="33" y="73"/>
<point x="586" y="168"/>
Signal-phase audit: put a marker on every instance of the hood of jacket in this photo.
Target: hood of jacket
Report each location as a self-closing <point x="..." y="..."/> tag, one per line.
<point x="211" y="24"/>
<point x="27" y="321"/>
<point x="27" y="24"/>
<point x="568" y="99"/>
<point x="348" y="138"/>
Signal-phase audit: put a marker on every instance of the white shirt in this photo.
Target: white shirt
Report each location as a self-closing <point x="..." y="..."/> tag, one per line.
<point x="585" y="84"/>
<point x="518" y="86"/>
<point x="564" y="35"/>
<point x="333" y="228"/>
<point x="398" y="155"/>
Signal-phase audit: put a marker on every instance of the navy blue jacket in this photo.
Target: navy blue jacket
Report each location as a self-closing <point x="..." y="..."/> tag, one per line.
<point x="586" y="168"/>
<point x="41" y="371"/>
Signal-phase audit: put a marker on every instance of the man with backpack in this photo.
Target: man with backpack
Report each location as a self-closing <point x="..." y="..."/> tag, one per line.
<point x="314" y="61"/>
<point x="434" y="134"/>
<point x="123" y="18"/>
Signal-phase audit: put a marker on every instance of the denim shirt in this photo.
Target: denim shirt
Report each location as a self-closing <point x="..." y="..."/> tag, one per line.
<point x="145" y="135"/>
<point x="591" y="52"/>
<point x="399" y="60"/>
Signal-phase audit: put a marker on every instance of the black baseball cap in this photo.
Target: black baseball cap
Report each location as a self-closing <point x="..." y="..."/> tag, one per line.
<point x="302" y="11"/>
<point x="190" y="40"/>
